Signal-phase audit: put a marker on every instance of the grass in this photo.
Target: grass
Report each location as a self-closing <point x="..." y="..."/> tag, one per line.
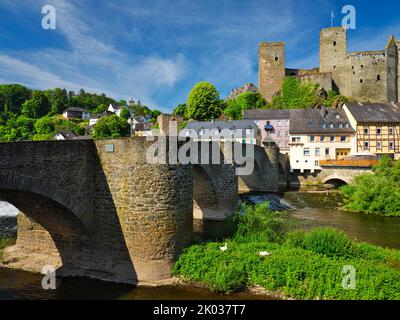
<point x="4" y="243"/>
<point x="302" y="265"/>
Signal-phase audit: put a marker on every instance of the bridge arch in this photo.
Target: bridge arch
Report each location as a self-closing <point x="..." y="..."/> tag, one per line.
<point x="12" y="184"/>
<point x="337" y="180"/>
<point x="49" y="233"/>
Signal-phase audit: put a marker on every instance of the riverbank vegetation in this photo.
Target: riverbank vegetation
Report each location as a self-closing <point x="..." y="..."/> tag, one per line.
<point x="266" y="250"/>
<point x="4" y="243"/>
<point x="376" y="193"/>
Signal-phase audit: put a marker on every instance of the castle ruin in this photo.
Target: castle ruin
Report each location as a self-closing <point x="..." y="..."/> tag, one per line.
<point x="365" y="76"/>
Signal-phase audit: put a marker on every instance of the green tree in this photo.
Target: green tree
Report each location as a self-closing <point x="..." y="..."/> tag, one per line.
<point x="111" y="127"/>
<point x="203" y="102"/>
<point x="36" y="107"/>
<point x="377" y="193"/>
<point x="12" y="96"/>
<point x="248" y="100"/>
<point x="45" y="125"/>
<point x="122" y="103"/>
<point x="100" y="108"/>
<point x="58" y="99"/>
<point x="125" y="113"/>
<point x="180" y="110"/>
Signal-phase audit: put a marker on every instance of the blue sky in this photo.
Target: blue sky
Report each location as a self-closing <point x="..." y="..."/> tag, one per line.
<point x="157" y="50"/>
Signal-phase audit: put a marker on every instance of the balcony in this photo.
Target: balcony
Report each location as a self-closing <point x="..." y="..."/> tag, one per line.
<point x="364" y="163"/>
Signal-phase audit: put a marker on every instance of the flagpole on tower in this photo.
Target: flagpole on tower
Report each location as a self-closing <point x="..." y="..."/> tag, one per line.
<point x="332" y="17"/>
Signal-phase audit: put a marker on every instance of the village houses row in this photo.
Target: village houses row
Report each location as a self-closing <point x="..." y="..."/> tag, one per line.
<point x="316" y="137"/>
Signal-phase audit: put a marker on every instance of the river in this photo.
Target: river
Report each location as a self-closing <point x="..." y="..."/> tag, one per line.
<point x="383" y="231"/>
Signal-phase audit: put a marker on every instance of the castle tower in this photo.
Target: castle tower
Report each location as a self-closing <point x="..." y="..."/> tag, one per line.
<point x="333" y="55"/>
<point x="271" y="68"/>
<point x="392" y="70"/>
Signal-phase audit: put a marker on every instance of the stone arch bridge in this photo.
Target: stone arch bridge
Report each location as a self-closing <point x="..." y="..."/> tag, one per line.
<point x="99" y="209"/>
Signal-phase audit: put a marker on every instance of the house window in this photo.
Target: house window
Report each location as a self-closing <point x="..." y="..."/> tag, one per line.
<point x="286" y="134"/>
<point x="326" y="151"/>
<point x="331" y="126"/>
<point x="287" y="123"/>
<point x="366" y="145"/>
<point x="391" y="131"/>
<point x="317" y="152"/>
<point x="366" y="130"/>
<point x="279" y="123"/>
<point x="312" y="138"/>
<point x="343" y="139"/>
<point x="278" y="133"/>
<point x="316" y="163"/>
<point x="332" y="138"/>
<point x="322" y="138"/>
<point x="391" y="145"/>
<point x="306" y="151"/>
<point x="296" y="139"/>
<point x="379" y="145"/>
<point x="378" y="131"/>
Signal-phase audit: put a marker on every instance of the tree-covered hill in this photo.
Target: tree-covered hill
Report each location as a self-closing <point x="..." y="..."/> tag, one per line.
<point x="27" y="114"/>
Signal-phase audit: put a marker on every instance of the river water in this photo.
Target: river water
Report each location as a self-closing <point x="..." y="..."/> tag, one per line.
<point x="312" y="210"/>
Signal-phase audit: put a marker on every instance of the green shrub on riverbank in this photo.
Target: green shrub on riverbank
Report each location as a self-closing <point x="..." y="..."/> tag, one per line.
<point x="4" y="243"/>
<point x="303" y="265"/>
<point x="377" y="193"/>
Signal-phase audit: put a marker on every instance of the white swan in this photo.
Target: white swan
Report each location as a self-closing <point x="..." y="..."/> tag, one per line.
<point x="224" y="248"/>
<point x="264" y="253"/>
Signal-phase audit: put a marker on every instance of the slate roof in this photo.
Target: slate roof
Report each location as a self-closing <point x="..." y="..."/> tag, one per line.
<point x="67" y="134"/>
<point x="321" y="121"/>
<point x="266" y="114"/>
<point x="77" y="109"/>
<point x="378" y="112"/>
<point x="221" y="125"/>
<point x="101" y="115"/>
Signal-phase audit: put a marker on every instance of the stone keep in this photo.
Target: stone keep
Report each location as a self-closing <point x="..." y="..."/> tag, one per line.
<point x="365" y="76"/>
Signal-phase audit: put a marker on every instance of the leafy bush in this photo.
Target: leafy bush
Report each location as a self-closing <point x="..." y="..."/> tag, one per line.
<point x="4" y="243"/>
<point x="248" y="100"/>
<point x="329" y="242"/>
<point x="260" y="223"/>
<point x="377" y="193"/>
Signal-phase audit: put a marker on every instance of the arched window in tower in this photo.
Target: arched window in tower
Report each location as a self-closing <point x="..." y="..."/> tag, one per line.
<point x="334" y="43"/>
<point x="276" y="58"/>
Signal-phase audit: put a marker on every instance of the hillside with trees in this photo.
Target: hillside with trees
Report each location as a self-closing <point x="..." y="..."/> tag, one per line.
<point x="27" y="114"/>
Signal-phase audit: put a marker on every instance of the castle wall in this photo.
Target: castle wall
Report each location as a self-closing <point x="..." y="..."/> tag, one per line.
<point x="323" y="79"/>
<point x="271" y="70"/>
<point x="367" y="76"/>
